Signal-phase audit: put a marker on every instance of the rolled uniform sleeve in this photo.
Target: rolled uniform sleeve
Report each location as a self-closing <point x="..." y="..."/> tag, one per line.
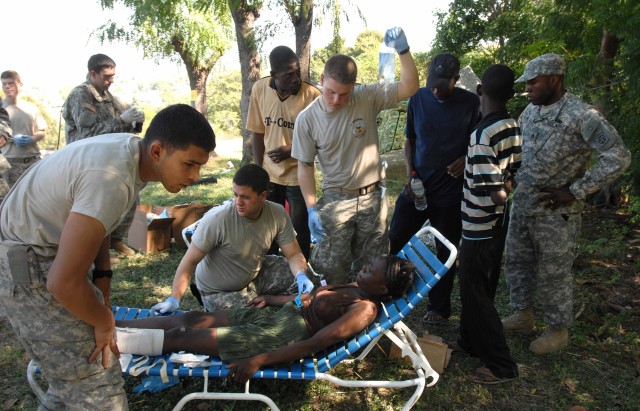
<point x="613" y="157"/>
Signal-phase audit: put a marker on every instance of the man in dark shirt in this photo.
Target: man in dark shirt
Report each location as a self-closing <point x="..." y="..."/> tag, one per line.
<point x="440" y="118"/>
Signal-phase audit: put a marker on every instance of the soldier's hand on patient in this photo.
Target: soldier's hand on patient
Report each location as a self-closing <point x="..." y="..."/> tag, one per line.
<point x="304" y="284"/>
<point x="169" y="306"/>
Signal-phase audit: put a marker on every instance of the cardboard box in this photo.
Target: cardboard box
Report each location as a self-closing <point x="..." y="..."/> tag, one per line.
<point x="437" y="352"/>
<point x="150" y="237"/>
<point x="183" y="215"/>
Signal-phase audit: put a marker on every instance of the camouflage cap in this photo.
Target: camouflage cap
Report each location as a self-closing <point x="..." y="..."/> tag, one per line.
<point x="545" y="65"/>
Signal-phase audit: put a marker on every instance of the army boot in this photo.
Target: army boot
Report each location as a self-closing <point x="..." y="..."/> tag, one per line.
<point x="553" y="339"/>
<point x="521" y="321"/>
<point x="119" y="246"/>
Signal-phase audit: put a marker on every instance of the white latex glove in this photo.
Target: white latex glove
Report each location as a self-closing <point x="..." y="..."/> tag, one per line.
<point x="129" y="115"/>
<point x="139" y="116"/>
<point x="167" y="307"/>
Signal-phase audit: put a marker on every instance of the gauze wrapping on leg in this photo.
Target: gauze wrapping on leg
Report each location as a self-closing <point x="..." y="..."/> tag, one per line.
<point x="142" y="341"/>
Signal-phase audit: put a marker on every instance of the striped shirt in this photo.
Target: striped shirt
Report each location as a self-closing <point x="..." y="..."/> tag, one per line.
<point x="493" y="157"/>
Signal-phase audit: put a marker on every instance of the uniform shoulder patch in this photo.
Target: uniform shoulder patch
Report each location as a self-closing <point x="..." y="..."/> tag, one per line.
<point x="89" y="106"/>
<point x="598" y="132"/>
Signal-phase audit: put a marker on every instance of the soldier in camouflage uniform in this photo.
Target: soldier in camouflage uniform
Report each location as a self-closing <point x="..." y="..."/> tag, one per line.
<point x="560" y="133"/>
<point x="227" y="250"/>
<point x="55" y="275"/>
<point x="91" y="110"/>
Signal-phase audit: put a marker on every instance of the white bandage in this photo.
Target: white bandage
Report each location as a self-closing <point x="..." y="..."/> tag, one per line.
<point x="142" y="341"/>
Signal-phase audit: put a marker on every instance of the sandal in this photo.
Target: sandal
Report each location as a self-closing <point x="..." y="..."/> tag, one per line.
<point x="432" y="317"/>
<point x="483" y="375"/>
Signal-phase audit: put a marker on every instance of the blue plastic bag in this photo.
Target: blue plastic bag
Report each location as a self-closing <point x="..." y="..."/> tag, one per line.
<point x="154" y="384"/>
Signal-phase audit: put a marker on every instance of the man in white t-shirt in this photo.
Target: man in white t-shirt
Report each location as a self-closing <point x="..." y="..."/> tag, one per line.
<point x="55" y="272"/>
<point x="28" y="127"/>
<point x="340" y="128"/>
<point x="228" y="250"/>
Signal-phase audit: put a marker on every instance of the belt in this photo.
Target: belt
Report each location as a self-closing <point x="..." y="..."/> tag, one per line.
<point x="25" y="160"/>
<point x="356" y="191"/>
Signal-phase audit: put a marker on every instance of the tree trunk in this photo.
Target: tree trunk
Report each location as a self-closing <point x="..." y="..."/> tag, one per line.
<point x="609" y="196"/>
<point x="244" y="18"/>
<point x="198" y="83"/>
<point x="197" y="75"/>
<point x="303" y="24"/>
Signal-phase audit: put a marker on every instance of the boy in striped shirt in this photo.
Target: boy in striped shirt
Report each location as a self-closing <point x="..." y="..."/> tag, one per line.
<point x="492" y="159"/>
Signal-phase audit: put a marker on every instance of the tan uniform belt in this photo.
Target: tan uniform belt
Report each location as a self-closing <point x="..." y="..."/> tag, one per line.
<point x="208" y="293"/>
<point x="356" y="191"/>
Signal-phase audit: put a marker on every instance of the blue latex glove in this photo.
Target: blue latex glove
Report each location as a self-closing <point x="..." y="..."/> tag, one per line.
<point x="395" y="38"/>
<point x="167" y="307"/>
<point x="314" y="224"/>
<point x="22" y="140"/>
<point x="304" y="284"/>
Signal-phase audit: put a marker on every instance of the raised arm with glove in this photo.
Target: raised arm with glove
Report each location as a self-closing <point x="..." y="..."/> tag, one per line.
<point x="396" y="38"/>
<point x="409" y="82"/>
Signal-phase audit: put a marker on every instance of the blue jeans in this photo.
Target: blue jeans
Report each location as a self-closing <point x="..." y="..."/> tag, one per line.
<point x="297" y="211"/>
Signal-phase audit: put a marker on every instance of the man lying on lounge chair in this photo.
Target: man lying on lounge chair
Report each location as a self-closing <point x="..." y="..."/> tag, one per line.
<point x="273" y="329"/>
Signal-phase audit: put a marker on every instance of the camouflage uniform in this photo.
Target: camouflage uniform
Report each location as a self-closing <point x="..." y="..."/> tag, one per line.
<point x="541" y="242"/>
<point x="88" y="114"/>
<point x="348" y="217"/>
<point x="59" y="343"/>
<point x="273" y="278"/>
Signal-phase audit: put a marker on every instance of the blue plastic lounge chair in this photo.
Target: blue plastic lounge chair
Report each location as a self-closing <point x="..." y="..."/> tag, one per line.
<point x="318" y="367"/>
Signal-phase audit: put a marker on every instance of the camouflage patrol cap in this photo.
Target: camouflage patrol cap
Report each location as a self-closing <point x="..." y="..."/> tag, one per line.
<point x="545" y="65"/>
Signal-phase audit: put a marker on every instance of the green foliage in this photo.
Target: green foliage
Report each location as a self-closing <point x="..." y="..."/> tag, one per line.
<point x="50" y="141"/>
<point x="514" y="31"/>
<point x="161" y="28"/>
<point x="422" y="60"/>
<point x="365" y="53"/>
<point x="223" y="94"/>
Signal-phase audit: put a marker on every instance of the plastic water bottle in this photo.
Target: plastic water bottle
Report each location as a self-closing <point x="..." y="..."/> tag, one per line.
<point x="418" y="191"/>
<point x="386" y="64"/>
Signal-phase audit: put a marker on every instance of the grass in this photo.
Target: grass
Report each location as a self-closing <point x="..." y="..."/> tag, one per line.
<point x="599" y="371"/>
